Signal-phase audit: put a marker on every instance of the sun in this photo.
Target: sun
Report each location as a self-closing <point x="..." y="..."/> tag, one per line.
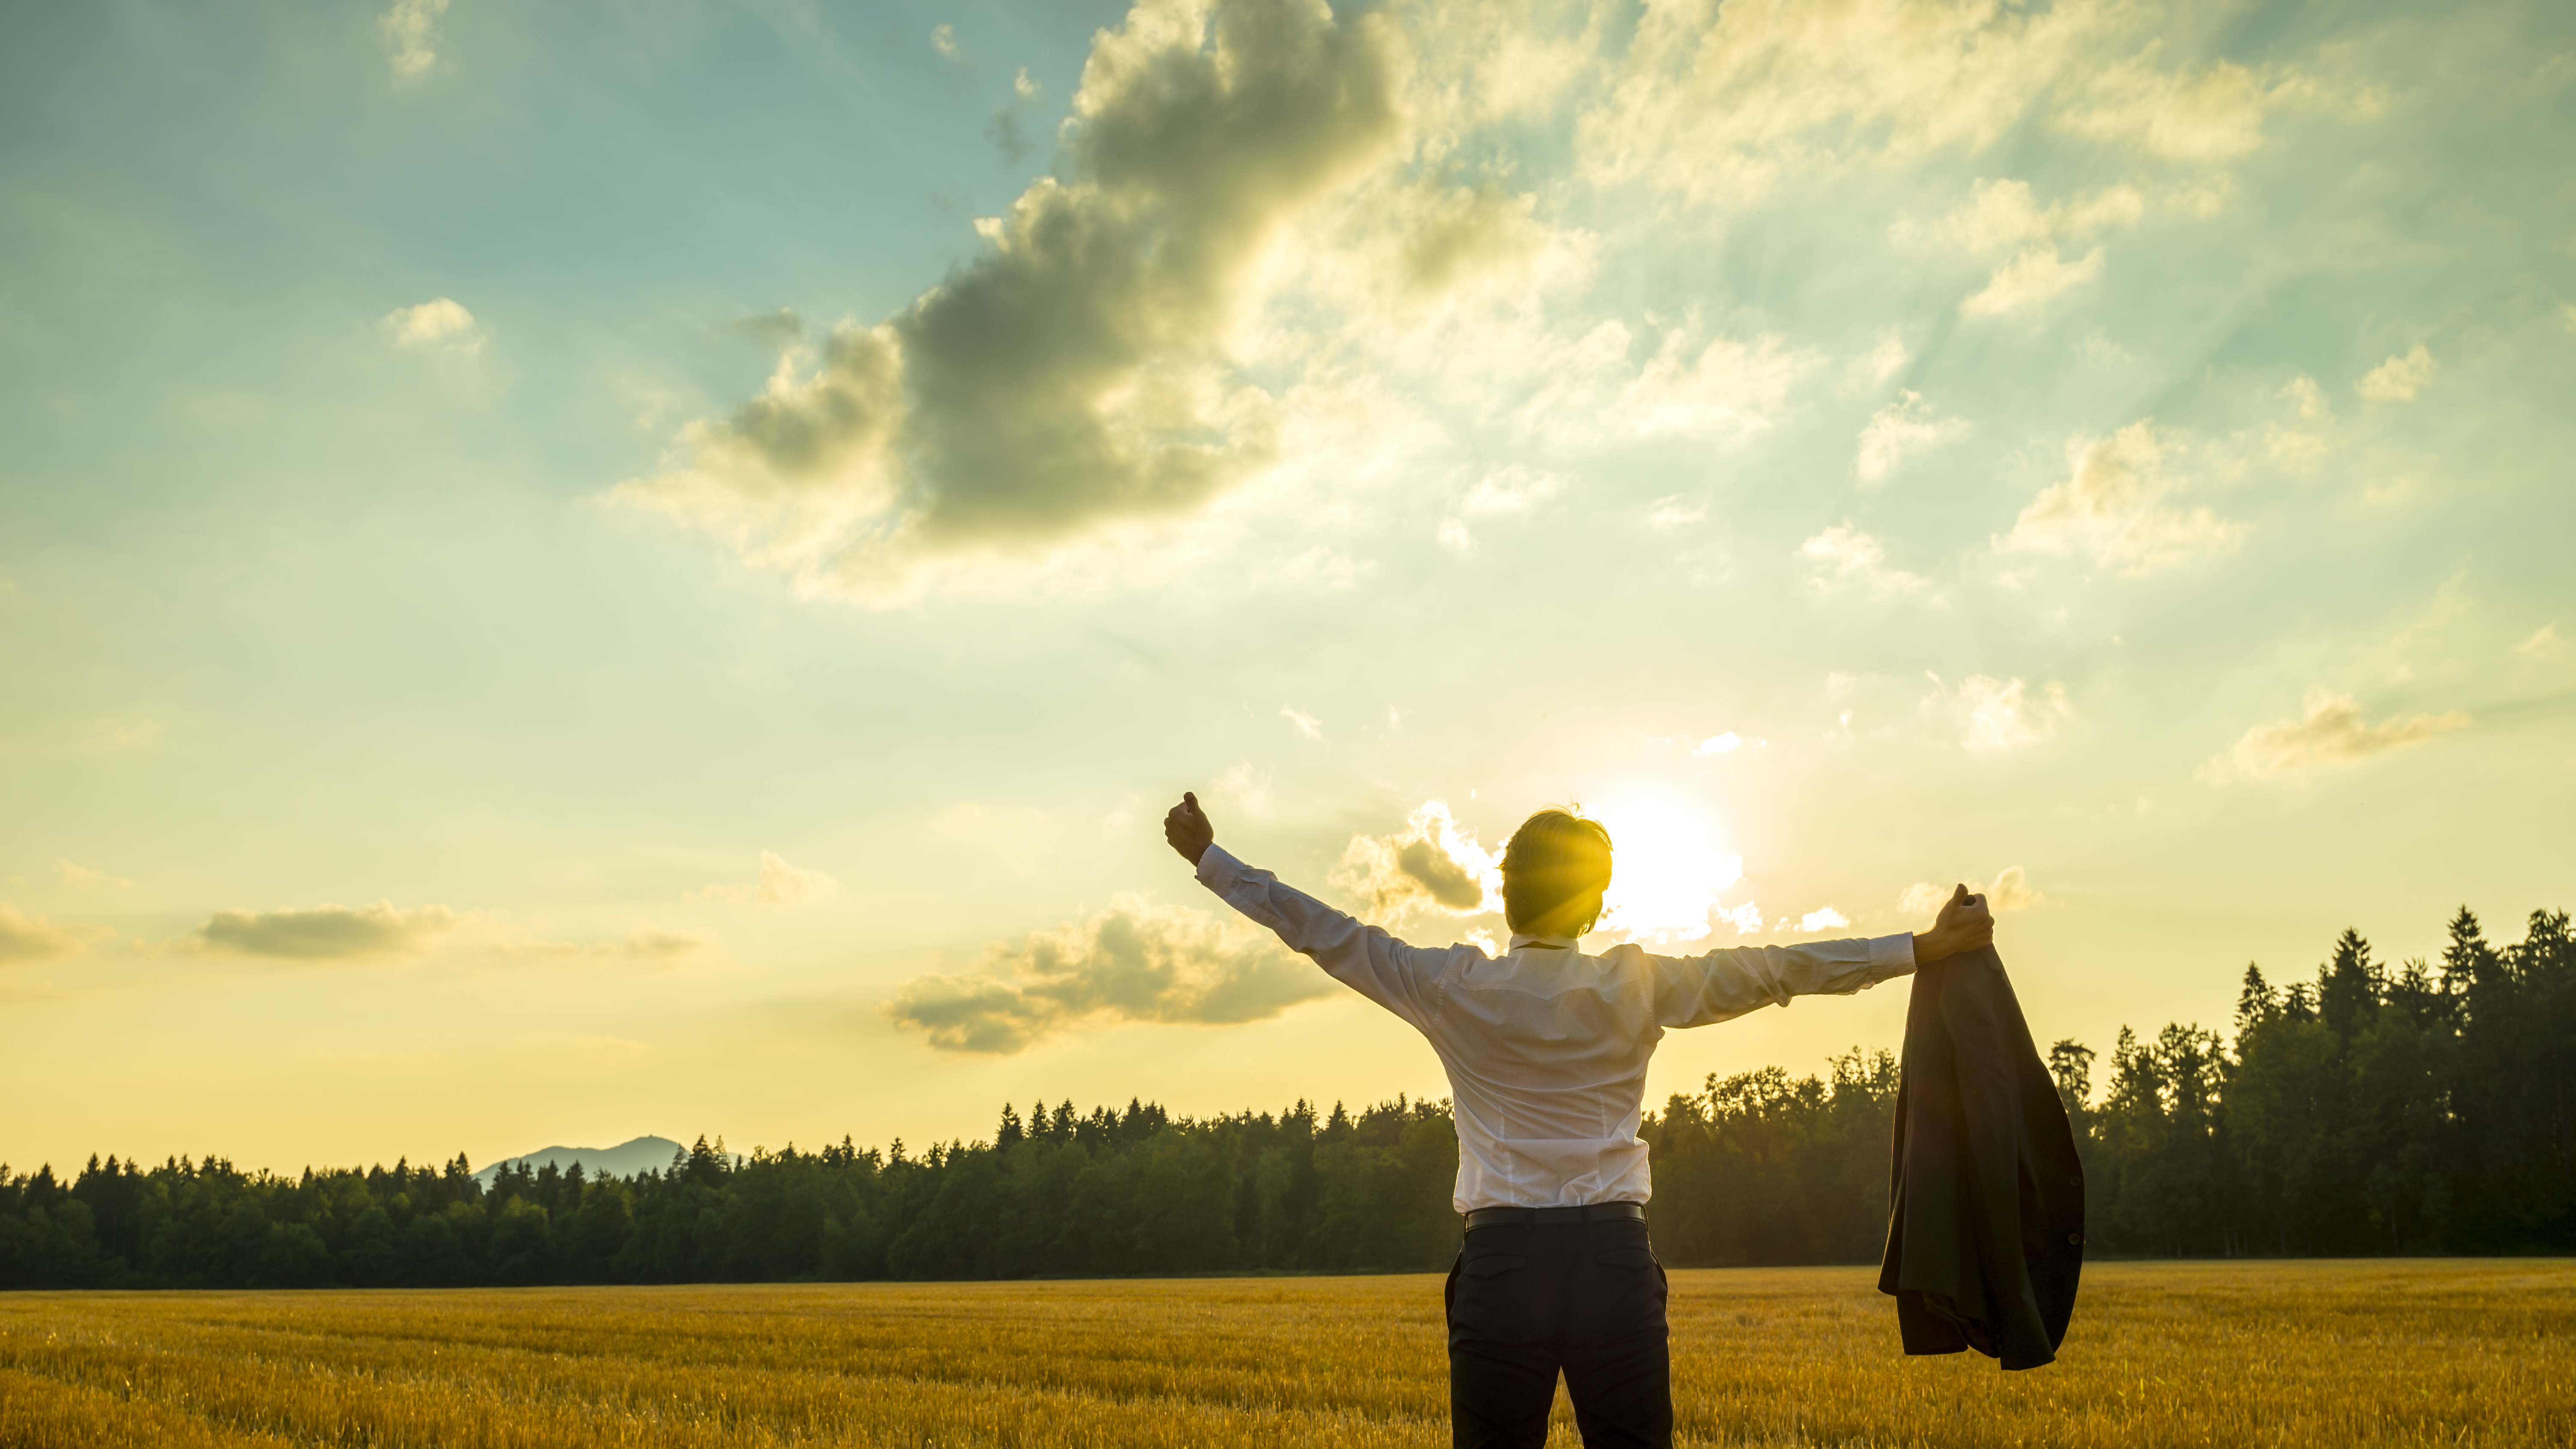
<point x="1667" y="869"/>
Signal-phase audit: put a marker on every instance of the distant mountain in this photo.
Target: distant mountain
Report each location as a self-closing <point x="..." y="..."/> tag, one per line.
<point x="626" y="1159"/>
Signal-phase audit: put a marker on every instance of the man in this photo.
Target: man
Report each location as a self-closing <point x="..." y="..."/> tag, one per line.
<point x="1546" y="1050"/>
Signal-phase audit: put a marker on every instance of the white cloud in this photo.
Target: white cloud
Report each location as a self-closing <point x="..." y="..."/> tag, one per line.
<point x="1511" y="490"/>
<point x="2215" y="114"/>
<point x="2116" y="508"/>
<point x="440" y="323"/>
<point x="1721" y="104"/>
<point x="2332" y="732"/>
<point x="2011" y="891"/>
<point x="1081" y="373"/>
<point x="2002" y="221"/>
<point x="1431" y="864"/>
<point x="1880" y="365"/>
<point x="943" y="38"/>
<point x="2310" y="399"/>
<point x="1025" y="86"/>
<point x="1307" y="724"/>
<point x="645" y="943"/>
<point x="1670" y="512"/>
<point x="777" y="884"/>
<point x="1844" y="556"/>
<point x="324" y="933"/>
<point x="2567" y="314"/>
<point x="1719" y="744"/>
<point x="2029" y="280"/>
<point x="1823" y="918"/>
<point x="2399" y="379"/>
<point x="1726" y="388"/>
<point x="1746" y="918"/>
<point x="1904" y="426"/>
<point x="409" y="31"/>
<point x="71" y="873"/>
<point x="26" y="939"/>
<point x="2543" y="643"/>
<point x="2004" y="714"/>
<point x="1135" y="961"/>
<point x="1453" y="533"/>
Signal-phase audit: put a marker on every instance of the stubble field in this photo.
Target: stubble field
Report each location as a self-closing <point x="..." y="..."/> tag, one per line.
<point x="2298" y="1354"/>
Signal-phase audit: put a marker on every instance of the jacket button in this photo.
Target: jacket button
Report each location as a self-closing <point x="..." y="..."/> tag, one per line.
<point x="2076" y="1239"/>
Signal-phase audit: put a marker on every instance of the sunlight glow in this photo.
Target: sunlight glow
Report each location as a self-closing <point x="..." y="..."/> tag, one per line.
<point x="1668" y="871"/>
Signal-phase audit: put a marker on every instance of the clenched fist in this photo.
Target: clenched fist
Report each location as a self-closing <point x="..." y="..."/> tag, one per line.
<point x="1187" y="828"/>
<point x="1963" y="925"/>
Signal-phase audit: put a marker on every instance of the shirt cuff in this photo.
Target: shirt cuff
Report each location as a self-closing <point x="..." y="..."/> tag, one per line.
<point x="1888" y="955"/>
<point x="1216" y="867"/>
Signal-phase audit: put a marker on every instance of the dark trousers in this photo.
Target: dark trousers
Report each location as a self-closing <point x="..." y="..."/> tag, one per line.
<point x="1584" y="1298"/>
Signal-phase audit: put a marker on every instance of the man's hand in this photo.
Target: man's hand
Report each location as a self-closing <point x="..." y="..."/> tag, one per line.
<point x="1188" y="830"/>
<point x="1963" y="925"/>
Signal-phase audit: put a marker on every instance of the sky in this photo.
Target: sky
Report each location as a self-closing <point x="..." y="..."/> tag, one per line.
<point x="584" y="569"/>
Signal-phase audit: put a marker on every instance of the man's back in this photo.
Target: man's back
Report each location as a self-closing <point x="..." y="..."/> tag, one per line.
<point x="1545" y="1047"/>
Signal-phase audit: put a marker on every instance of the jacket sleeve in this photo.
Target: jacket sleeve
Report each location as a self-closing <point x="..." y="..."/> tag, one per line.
<point x="1400" y="977"/>
<point x="1722" y="985"/>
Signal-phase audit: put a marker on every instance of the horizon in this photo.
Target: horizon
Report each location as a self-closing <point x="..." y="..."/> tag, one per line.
<point x="562" y="570"/>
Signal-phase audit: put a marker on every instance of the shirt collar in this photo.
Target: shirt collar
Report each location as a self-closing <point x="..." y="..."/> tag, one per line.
<point x="1555" y="943"/>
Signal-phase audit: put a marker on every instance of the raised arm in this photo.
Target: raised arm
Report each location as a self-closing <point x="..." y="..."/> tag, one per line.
<point x="1392" y="973"/>
<point x="1700" y="990"/>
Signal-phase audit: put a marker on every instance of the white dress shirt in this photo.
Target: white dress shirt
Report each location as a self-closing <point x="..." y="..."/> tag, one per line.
<point x="1546" y="1047"/>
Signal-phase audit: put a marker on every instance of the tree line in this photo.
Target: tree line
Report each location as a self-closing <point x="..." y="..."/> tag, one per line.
<point x="2416" y="1108"/>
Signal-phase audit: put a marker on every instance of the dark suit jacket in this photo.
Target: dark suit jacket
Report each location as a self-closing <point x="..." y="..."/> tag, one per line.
<point x="1985" y="1234"/>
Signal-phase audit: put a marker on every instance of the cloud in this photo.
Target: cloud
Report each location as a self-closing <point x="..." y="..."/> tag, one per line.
<point x="1430" y="864"/>
<point x="1746" y="918"/>
<point x="324" y="933"/>
<point x="1721" y="104"/>
<point x="1823" y="918"/>
<point x="2332" y="732"/>
<point x="409" y="31"/>
<point x="1135" y="961"/>
<point x="2215" y="114"/>
<point x="26" y="939"/>
<point x="775" y="330"/>
<point x="1510" y="490"/>
<point x="1880" y="365"/>
<point x="1670" y="512"/>
<point x="1842" y="555"/>
<point x="1307" y="725"/>
<point x="1719" y="744"/>
<point x="437" y="324"/>
<point x="2011" y="892"/>
<point x="1903" y="426"/>
<point x="2001" y="221"/>
<point x="2543" y="643"/>
<point x="645" y="943"/>
<point x="2003" y="714"/>
<point x="2116" y="508"/>
<point x="2310" y="399"/>
<point x="778" y="884"/>
<point x="2030" y="279"/>
<point x="1727" y="388"/>
<point x="72" y="873"/>
<point x="2399" y="378"/>
<point x="1077" y="373"/>
<point x="943" y="38"/>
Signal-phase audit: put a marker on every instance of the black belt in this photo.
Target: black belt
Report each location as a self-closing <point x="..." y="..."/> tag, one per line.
<point x="1516" y="1217"/>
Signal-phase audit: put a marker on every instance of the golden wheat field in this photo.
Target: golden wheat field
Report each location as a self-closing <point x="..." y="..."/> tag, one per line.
<point x="2310" y="1355"/>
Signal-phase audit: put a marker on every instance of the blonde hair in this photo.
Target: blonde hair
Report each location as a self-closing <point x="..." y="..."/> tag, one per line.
<point x="1555" y="871"/>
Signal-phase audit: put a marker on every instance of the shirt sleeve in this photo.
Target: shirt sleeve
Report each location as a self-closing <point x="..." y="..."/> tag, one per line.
<point x="1722" y="985"/>
<point x="1400" y="977"/>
